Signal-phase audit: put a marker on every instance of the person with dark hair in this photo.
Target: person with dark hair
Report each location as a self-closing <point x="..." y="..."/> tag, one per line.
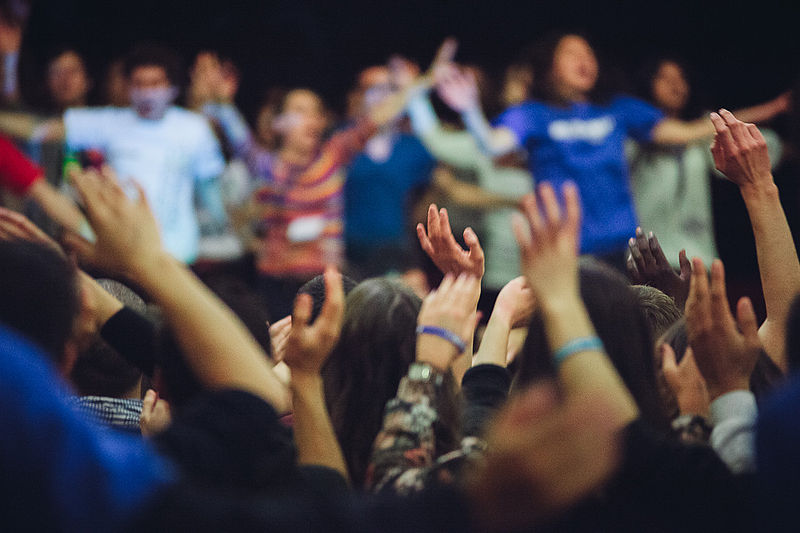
<point x="624" y="330"/>
<point x="296" y="206"/>
<point x="571" y="132"/>
<point x="109" y="387"/>
<point x="67" y="79"/>
<point x="41" y="298"/>
<point x="172" y="151"/>
<point x="671" y="184"/>
<point x="374" y="351"/>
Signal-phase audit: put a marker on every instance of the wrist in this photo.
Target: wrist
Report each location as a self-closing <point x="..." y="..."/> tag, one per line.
<point x="304" y="381"/>
<point x="739" y="384"/>
<point x="762" y="190"/>
<point x="149" y="271"/>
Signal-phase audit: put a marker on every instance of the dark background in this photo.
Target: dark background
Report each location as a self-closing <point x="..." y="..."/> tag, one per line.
<point x="739" y="53"/>
<point x="743" y="51"/>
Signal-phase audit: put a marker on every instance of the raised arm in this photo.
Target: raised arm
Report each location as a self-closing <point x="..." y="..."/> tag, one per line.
<point x="460" y="91"/>
<point x="548" y="243"/>
<point x="740" y="152"/>
<point x="726" y="351"/>
<point x="217" y="346"/>
<point x="674" y="131"/>
<point x="307" y="348"/>
<point x="405" y="449"/>
<point x="467" y="194"/>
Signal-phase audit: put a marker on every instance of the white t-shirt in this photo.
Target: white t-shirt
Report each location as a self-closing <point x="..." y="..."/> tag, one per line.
<point x="167" y="157"/>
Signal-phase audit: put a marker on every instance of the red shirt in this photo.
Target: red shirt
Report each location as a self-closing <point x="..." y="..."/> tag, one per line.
<point x="17" y="172"/>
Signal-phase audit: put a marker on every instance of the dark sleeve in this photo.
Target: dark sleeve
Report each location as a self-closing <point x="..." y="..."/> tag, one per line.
<point x="485" y="390"/>
<point x="231" y="439"/>
<point x="664" y="485"/>
<point x="185" y="508"/>
<point x="133" y="336"/>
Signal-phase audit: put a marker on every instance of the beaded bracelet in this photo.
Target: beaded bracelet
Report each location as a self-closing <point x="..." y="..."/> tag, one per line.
<point x="445" y="334"/>
<point x="578" y="344"/>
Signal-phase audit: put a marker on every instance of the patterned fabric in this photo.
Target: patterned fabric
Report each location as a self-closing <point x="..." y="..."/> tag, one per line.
<point x="299" y="209"/>
<point x="691" y="429"/>
<point x="404" y="456"/>
<point x="116" y="413"/>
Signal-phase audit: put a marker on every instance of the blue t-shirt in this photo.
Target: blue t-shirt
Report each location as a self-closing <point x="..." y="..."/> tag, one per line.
<point x="584" y="143"/>
<point x="60" y="472"/>
<point x="376" y="193"/>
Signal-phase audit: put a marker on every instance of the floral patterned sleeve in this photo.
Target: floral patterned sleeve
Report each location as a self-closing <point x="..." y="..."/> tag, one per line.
<point x="405" y="448"/>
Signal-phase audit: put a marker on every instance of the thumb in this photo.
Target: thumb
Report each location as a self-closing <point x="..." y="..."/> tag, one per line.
<point x="302" y="311"/>
<point x="149" y="401"/>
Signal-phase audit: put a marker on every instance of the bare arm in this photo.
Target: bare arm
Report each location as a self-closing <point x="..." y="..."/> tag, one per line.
<point x="215" y="343"/>
<point x="740" y="152"/>
<point x="549" y="248"/>
<point x="673" y="131"/>
<point x="307" y="348"/>
<point x="57" y="206"/>
<point x="467" y="194"/>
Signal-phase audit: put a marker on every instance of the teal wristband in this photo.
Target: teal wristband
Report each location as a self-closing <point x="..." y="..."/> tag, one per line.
<point x="445" y="334"/>
<point x="578" y="344"/>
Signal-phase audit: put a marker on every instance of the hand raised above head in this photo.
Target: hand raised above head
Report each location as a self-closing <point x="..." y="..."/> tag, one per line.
<point x="647" y="265"/>
<point x="127" y="236"/>
<point x="440" y="245"/>
<point x="308" y="345"/>
<point x="740" y="151"/>
<point x="725" y="354"/>
<point x="548" y="242"/>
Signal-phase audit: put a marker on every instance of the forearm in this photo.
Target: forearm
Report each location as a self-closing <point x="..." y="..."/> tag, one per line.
<point x="494" y="345"/>
<point x="760" y="112"/>
<point x="677" y="132"/>
<point x="589" y="371"/>
<point x="233" y="125"/>
<point x="57" y="206"/>
<point x="215" y="343"/>
<point x="473" y="196"/>
<point x="313" y="431"/>
<point x="19" y="125"/>
<point x="777" y="262"/>
<point x="494" y="142"/>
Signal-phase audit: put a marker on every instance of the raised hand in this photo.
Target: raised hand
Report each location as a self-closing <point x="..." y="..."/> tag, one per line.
<point x="685" y="381"/>
<point x="548" y="242"/>
<point x="457" y="87"/>
<point x="440" y="245"/>
<point x="16" y="226"/>
<point x="740" y="151"/>
<point x="515" y="303"/>
<point x="647" y="265"/>
<point x="127" y="233"/>
<point x="726" y="355"/>
<point x="212" y="80"/>
<point x="451" y="307"/>
<point x="308" y="345"/>
<point x="444" y="56"/>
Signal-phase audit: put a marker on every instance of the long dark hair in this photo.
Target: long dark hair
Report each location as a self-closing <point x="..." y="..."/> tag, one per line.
<point x="621" y="325"/>
<point x="648" y="73"/>
<point x="540" y="57"/>
<point x="376" y="347"/>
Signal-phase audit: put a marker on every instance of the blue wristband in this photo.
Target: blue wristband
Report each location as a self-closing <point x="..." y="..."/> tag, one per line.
<point x="445" y="334"/>
<point x="578" y="344"/>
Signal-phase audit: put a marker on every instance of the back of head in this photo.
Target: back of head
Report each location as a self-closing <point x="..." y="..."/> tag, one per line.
<point x="376" y="347"/>
<point x="100" y="370"/>
<point x="659" y="309"/>
<point x="38" y="294"/>
<point x="315" y="288"/>
<point x="621" y="326"/>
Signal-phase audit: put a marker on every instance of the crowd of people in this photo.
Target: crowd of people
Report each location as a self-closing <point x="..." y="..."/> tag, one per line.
<point x="379" y="322"/>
